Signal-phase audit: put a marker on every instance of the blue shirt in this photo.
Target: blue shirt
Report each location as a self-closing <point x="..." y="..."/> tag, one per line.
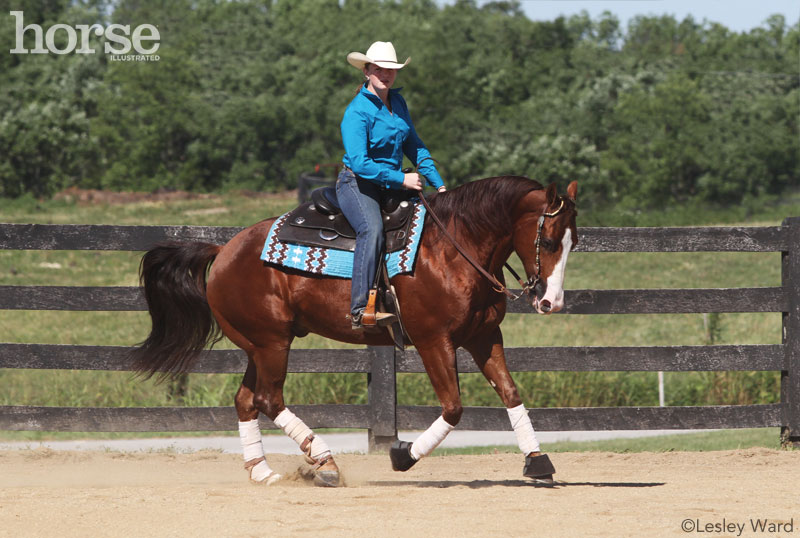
<point x="376" y="139"/>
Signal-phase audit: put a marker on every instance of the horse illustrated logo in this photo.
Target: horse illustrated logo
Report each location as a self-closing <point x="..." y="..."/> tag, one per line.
<point x="119" y="39"/>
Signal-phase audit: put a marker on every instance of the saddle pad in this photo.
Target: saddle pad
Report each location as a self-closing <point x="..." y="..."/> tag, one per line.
<point x="334" y="262"/>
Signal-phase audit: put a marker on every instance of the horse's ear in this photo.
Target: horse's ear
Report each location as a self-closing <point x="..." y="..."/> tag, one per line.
<point x="572" y="191"/>
<point x="551" y="194"/>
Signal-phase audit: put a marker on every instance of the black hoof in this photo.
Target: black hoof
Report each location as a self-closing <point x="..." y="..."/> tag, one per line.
<point x="544" y="482"/>
<point x="400" y="454"/>
<point x="540" y="468"/>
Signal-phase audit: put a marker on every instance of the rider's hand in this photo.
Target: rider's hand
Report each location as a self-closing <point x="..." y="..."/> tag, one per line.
<point x="442" y="189"/>
<point x="412" y="181"/>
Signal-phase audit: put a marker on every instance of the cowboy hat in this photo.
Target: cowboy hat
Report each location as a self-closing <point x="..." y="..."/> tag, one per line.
<point x="380" y="53"/>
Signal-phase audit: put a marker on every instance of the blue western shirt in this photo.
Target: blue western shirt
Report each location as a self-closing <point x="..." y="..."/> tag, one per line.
<point x="376" y="139"/>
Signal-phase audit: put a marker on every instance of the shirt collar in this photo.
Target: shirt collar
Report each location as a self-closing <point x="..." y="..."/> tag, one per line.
<point x="374" y="98"/>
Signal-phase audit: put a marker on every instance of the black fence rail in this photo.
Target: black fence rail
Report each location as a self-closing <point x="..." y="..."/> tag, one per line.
<point x="381" y="416"/>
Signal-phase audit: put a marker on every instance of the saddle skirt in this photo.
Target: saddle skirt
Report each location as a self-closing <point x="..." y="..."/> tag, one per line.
<point x="316" y="238"/>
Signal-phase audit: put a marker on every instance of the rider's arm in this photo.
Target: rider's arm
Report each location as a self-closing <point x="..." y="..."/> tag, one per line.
<point x="416" y="150"/>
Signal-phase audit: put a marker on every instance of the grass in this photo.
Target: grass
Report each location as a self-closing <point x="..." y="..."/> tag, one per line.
<point x="685" y="442"/>
<point x="542" y="389"/>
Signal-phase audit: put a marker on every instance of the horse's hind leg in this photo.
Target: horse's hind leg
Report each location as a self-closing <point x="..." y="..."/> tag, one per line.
<point x="262" y="391"/>
<point x="489" y="355"/>
<point x="271" y="363"/>
<point x="250" y="432"/>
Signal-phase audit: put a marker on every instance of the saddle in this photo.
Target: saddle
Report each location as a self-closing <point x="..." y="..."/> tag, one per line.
<point x="320" y="222"/>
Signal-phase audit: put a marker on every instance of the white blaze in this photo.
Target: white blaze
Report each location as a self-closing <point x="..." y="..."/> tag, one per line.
<point x="555" y="282"/>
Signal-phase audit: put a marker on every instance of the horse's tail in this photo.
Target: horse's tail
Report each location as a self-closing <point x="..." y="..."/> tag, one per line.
<point x="173" y="275"/>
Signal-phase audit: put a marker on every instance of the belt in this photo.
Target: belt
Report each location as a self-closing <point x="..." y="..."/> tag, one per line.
<point x="384" y="185"/>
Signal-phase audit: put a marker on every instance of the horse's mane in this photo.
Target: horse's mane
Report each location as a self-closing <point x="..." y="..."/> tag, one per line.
<point x="483" y="207"/>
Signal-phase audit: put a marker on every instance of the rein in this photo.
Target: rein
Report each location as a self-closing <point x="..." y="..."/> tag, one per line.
<point x="527" y="286"/>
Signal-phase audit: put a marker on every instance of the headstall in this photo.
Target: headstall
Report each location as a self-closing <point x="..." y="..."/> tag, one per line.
<point x="529" y="286"/>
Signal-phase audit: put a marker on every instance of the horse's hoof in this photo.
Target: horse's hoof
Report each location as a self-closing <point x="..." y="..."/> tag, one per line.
<point x="544" y="481"/>
<point x="326" y="479"/>
<point x="540" y="469"/>
<point x="401" y="457"/>
<point x="327" y="475"/>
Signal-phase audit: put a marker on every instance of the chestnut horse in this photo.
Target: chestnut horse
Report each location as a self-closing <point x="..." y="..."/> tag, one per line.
<point x="445" y="302"/>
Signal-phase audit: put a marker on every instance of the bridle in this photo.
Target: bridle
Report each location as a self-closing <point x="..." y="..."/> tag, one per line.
<point x="529" y="286"/>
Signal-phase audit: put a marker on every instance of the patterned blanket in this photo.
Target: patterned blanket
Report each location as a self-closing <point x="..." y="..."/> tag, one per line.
<point x="334" y="262"/>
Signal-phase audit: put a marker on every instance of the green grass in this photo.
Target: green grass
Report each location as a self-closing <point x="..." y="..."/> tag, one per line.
<point x="685" y="442"/>
<point x="541" y="389"/>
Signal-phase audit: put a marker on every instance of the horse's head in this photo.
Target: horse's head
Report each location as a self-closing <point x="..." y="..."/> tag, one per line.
<point x="544" y="235"/>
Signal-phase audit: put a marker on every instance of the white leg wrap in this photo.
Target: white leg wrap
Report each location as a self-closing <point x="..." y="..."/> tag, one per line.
<point x="521" y="423"/>
<point x="250" y="436"/>
<point x="430" y="438"/>
<point x="299" y="432"/>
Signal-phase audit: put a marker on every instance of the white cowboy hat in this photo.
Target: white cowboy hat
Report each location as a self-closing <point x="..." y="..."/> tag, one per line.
<point x="380" y="53"/>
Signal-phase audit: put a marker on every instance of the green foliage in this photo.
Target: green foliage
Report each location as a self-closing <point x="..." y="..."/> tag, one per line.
<point x="250" y="94"/>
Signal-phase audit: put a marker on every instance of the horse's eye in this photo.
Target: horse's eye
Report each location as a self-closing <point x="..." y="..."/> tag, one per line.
<point x="549" y="244"/>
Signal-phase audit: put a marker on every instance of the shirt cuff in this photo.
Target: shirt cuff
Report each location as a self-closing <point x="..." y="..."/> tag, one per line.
<point x="393" y="179"/>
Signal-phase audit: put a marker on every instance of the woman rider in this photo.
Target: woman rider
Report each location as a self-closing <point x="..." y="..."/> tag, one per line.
<point x="377" y="130"/>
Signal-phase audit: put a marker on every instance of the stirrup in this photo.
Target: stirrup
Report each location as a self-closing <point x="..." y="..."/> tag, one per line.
<point x="369" y="316"/>
<point x="372" y="318"/>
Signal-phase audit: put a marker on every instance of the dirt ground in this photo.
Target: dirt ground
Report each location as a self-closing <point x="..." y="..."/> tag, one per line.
<point x="711" y="494"/>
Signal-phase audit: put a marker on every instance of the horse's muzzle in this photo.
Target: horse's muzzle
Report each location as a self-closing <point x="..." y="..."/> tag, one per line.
<point x="540" y="304"/>
<point x="546" y="306"/>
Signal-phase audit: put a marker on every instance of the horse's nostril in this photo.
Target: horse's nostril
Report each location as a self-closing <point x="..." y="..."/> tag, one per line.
<point x="545" y="306"/>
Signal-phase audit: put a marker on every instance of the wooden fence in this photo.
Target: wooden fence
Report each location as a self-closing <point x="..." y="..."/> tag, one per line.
<point x="382" y="417"/>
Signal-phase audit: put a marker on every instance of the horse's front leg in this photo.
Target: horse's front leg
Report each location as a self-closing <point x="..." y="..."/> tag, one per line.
<point x="440" y="364"/>
<point x="487" y="350"/>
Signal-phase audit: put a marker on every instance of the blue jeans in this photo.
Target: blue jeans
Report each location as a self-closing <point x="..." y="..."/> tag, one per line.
<point x="360" y="203"/>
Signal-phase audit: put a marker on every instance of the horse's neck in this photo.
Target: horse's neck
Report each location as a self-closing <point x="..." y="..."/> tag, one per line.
<point x="499" y="255"/>
<point x="488" y="252"/>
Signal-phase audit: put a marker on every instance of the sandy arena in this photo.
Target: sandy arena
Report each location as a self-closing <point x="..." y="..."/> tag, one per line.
<point x="49" y="493"/>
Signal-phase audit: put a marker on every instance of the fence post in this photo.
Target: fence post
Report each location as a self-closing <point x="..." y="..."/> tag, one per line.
<point x="790" y="376"/>
<point x="382" y="395"/>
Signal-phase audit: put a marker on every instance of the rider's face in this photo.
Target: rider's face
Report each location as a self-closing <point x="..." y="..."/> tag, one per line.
<point x="379" y="78"/>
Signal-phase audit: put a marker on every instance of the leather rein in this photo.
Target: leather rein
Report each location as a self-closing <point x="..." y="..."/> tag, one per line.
<point x="528" y="286"/>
